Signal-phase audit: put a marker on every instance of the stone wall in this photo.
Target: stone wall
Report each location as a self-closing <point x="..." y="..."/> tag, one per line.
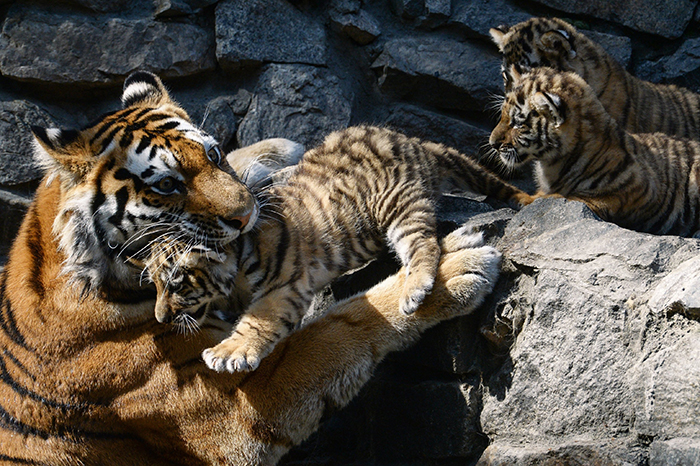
<point x="589" y="350"/>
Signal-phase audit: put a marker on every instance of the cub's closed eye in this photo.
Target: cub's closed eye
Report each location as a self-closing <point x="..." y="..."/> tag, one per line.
<point x="167" y="185"/>
<point x="214" y="155"/>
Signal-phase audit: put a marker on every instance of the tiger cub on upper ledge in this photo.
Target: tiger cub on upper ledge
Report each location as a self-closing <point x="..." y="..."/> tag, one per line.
<point x="645" y="182"/>
<point x="638" y="106"/>
<point x="362" y="188"/>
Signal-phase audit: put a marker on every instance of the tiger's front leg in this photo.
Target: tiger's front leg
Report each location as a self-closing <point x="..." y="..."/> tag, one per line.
<point x="265" y="323"/>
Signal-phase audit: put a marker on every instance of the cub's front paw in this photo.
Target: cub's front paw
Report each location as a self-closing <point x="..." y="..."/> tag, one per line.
<point x="232" y="356"/>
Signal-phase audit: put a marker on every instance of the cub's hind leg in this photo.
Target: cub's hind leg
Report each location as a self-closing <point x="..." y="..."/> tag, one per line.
<point x="414" y="238"/>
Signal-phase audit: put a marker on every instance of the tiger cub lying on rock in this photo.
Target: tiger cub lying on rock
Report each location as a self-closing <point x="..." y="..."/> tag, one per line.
<point x="637" y="106"/>
<point x="645" y="182"/>
<point x="362" y="188"/>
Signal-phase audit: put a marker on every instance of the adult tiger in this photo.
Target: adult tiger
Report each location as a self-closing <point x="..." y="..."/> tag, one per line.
<point x="638" y="106"/>
<point x="87" y="375"/>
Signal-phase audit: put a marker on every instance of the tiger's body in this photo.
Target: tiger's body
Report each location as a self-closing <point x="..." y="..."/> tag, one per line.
<point x="362" y="188"/>
<point x="88" y="377"/>
<point x="638" y="106"/>
<point x="645" y="182"/>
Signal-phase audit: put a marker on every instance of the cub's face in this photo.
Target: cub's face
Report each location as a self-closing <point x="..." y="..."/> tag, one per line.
<point x="533" y="121"/>
<point x="537" y="42"/>
<point x="137" y="175"/>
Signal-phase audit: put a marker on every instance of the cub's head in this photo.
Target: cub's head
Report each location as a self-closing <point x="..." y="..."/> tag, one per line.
<point x="537" y="42"/>
<point x="135" y="175"/>
<point x="545" y="117"/>
<point x="188" y="279"/>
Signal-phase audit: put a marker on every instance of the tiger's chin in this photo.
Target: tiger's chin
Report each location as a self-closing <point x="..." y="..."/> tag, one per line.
<point x="512" y="158"/>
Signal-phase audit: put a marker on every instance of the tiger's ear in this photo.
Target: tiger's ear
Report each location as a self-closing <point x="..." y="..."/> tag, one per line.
<point x="557" y="42"/>
<point x="550" y="104"/>
<point x="498" y="36"/>
<point x="144" y="89"/>
<point x="62" y="152"/>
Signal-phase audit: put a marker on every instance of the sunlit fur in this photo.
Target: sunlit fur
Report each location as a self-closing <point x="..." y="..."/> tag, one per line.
<point x="638" y="106"/>
<point x="95" y="380"/>
<point x="361" y="189"/>
<point x="645" y="182"/>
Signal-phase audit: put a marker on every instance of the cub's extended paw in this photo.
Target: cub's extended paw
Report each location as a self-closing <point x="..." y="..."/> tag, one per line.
<point x="235" y="354"/>
<point x="461" y="238"/>
<point x="473" y="274"/>
<point x="417" y="286"/>
<point x="520" y="200"/>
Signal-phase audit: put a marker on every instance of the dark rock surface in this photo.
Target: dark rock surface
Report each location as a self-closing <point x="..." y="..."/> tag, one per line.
<point x="588" y="350"/>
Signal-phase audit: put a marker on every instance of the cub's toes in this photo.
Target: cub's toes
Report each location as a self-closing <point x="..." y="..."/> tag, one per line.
<point x="412" y="297"/>
<point x="237" y="361"/>
<point x="463" y="237"/>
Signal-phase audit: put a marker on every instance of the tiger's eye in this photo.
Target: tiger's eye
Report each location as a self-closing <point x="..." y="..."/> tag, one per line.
<point x="167" y="185"/>
<point x="215" y="155"/>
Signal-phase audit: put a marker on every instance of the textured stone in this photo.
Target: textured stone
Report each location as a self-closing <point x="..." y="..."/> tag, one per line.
<point x="359" y="26"/>
<point x="298" y="102"/>
<point x="667" y="18"/>
<point x="13" y="207"/>
<point x="478" y="16"/>
<point x="220" y="120"/>
<point x="252" y="32"/>
<point x="432" y="126"/>
<point x="590" y="357"/>
<point x="675" y="452"/>
<point x="16" y="141"/>
<point x="71" y="48"/>
<point x="680" y="68"/>
<point x="440" y="72"/>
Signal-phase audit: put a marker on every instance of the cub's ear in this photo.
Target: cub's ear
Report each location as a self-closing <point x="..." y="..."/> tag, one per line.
<point x="550" y="104"/>
<point x="62" y="152"/>
<point x="558" y="42"/>
<point x="498" y="35"/>
<point x="144" y="89"/>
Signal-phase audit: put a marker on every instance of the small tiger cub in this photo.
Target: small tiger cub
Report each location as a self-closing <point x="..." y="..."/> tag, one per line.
<point x="362" y="188"/>
<point x="645" y="182"/>
<point x="638" y="106"/>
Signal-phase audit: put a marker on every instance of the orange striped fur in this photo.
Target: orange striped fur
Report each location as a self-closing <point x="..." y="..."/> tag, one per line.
<point x="363" y="188"/>
<point x="89" y="377"/>
<point x="645" y="182"/>
<point x="638" y="106"/>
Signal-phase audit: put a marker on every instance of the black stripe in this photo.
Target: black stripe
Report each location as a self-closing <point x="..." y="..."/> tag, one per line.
<point x="16" y="460"/>
<point x="122" y="196"/>
<point x="37" y="252"/>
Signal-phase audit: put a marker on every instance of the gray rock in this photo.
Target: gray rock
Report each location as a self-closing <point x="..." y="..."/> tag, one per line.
<point x="173" y="8"/>
<point x="680" y="68"/>
<point x="298" y="102"/>
<point x="578" y="452"/>
<point x="17" y="164"/>
<point x="104" y="6"/>
<point x="590" y="358"/>
<point x="441" y="72"/>
<point x="359" y="26"/>
<point x="619" y="47"/>
<point x="407" y="9"/>
<point x="415" y="121"/>
<point x="220" y="120"/>
<point x="13" y="208"/>
<point x="262" y="31"/>
<point x="435" y="13"/>
<point x="667" y="18"/>
<point x="71" y="48"/>
<point x="478" y="16"/>
<point x="675" y="452"/>
<point x="679" y="291"/>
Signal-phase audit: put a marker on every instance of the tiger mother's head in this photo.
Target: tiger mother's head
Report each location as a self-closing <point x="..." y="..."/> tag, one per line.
<point x="135" y="175"/>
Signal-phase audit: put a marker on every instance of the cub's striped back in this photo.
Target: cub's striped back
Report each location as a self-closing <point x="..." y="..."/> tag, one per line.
<point x="638" y="106"/>
<point x="646" y="182"/>
<point x="363" y="188"/>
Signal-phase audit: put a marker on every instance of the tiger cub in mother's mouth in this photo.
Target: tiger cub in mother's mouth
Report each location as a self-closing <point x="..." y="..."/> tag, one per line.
<point x="638" y="106"/>
<point x="362" y="188"/>
<point x="645" y="182"/>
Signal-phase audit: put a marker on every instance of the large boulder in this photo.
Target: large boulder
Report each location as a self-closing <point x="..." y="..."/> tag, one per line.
<point x="443" y="72"/>
<point x="597" y="368"/>
<point x="667" y="18"/>
<point x="68" y="48"/>
<point x="17" y="164"/>
<point x="299" y="102"/>
<point x="680" y="68"/>
<point x="266" y="31"/>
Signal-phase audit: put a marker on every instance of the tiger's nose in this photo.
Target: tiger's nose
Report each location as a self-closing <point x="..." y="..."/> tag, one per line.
<point x="238" y="223"/>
